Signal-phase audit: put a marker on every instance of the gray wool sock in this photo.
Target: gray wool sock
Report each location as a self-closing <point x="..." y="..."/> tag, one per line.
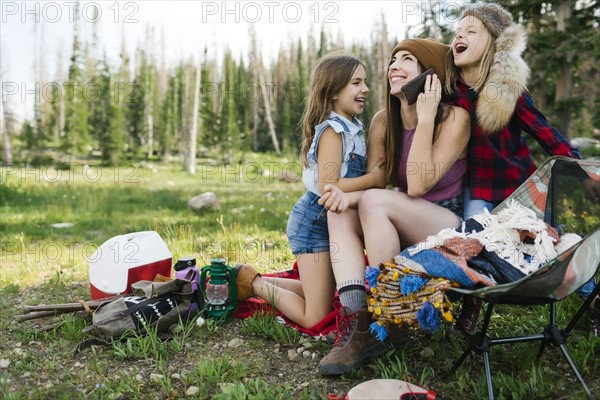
<point x="352" y="294"/>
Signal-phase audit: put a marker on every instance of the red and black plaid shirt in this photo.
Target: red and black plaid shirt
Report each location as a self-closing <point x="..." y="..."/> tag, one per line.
<point x="499" y="163"/>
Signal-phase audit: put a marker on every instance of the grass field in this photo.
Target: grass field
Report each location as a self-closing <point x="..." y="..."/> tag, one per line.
<point x="42" y="263"/>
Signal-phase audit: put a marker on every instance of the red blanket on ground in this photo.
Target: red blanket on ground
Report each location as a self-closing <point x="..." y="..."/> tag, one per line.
<point x="248" y="307"/>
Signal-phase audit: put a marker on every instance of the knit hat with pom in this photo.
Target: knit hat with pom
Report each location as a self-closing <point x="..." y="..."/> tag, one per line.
<point x="495" y="18"/>
<point x="508" y="74"/>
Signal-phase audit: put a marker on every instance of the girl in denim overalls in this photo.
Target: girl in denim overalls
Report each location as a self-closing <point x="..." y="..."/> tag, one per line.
<point x="333" y="152"/>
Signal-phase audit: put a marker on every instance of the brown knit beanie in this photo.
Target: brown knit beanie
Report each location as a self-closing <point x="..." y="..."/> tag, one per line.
<point x="495" y="18"/>
<point x="431" y="54"/>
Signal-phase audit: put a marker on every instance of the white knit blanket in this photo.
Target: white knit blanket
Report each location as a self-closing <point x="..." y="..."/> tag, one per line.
<point x="501" y="235"/>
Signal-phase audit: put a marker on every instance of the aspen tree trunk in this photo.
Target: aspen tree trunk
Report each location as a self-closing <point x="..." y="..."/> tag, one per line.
<point x="263" y="88"/>
<point x="185" y="112"/>
<point x="5" y="112"/>
<point x="175" y="111"/>
<point x="265" y="95"/>
<point x="254" y="69"/>
<point x="190" y="163"/>
<point x="149" y="106"/>
<point x="6" y="131"/>
<point x="37" y="114"/>
<point x="162" y="91"/>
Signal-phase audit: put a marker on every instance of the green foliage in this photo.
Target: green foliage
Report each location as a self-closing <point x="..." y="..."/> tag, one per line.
<point x="232" y="94"/>
<point x="77" y="104"/>
<point x="265" y="326"/>
<point x="561" y="58"/>
<point x="254" y="389"/>
<point x="136" y="345"/>
<point x="106" y="120"/>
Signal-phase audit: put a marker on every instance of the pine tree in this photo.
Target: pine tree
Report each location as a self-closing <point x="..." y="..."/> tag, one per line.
<point x="209" y="102"/>
<point x="106" y="118"/>
<point x="282" y="108"/>
<point x="136" y="107"/>
<point x="296" y="96"/>
<point x="323" y="46"/>
<point x="229" y="130"/>
<point x="28" y="136"/>
<point x="76" y="106"/>
<point x="124" y="89"/>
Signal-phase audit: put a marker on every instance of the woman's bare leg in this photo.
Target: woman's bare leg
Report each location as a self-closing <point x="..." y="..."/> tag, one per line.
<point x="317" y="284"/>
<point x="393" y="220"/>
<point x="293" y="285"/>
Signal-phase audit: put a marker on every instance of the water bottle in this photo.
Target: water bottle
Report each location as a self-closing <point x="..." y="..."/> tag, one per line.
<point x="185" y="268"/>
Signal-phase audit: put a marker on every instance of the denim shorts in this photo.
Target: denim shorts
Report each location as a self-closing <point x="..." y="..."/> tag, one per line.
<point x="455" y="204"/>
<point x="307" y="226"/>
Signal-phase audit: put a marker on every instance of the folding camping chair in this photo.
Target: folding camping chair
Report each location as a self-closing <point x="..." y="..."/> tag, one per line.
<point x="556" y="193"/>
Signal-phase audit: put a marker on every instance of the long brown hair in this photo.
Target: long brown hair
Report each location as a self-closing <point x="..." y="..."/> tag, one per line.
<point x="394" y="131"/>
<point x="329" y="75"/>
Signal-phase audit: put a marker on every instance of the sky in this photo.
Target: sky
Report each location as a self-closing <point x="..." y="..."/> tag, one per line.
<point x="187" y="26"/>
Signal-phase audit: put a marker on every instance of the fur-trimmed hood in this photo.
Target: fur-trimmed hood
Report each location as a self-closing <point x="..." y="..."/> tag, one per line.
<point x="506" y="81"/>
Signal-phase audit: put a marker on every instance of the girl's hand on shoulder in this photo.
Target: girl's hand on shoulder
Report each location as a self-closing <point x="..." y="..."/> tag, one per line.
<point x="334" y="199"/>
<point x="428" y="101"/>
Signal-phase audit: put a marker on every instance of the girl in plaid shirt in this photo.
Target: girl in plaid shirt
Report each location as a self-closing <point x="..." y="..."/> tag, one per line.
<point x="487" y="76"/>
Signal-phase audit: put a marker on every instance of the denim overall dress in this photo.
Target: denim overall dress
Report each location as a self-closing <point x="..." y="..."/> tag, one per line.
<point x="307" y="225"/>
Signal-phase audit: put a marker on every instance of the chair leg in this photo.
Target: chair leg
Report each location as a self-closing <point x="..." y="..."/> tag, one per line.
<point x="583" y="309"/>
<point x="541" y="350"/>
<point x="488" y="374"/>
<point x="552" y="323"/>
<point x="480" y="343"/>
<point x="576" y="372"/>
<point x="462" y="358"/>
<point x="475" y="342"/>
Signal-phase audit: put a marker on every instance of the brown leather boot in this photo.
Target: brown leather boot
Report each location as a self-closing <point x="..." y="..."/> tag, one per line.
<point x="398" y="336"/>
<point x="245" y="274"/>
<point x="469" y="315"/>
<point x="354" y="343"/>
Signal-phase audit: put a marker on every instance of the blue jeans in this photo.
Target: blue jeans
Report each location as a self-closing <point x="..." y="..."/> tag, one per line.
<point x="475" y="206"/>
<point x="586" y="289"/>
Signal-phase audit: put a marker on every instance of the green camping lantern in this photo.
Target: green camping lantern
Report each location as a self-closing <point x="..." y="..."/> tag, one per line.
<point x="220" y="297"/>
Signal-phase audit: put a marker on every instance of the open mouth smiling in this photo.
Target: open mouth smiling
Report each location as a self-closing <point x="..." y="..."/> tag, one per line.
<point x="460" y="47"/>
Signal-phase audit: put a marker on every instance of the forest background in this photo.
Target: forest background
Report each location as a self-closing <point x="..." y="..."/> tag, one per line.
<point x="223" y="108"/>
